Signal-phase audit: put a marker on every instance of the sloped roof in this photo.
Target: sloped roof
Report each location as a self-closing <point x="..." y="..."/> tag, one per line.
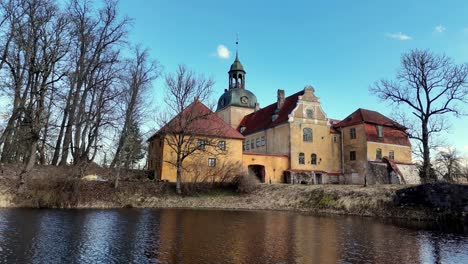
<point x="262" y="118"/>
<point x="391" y="135"/>
<point x="367" y="116"/>
<point x="197" y="119"/>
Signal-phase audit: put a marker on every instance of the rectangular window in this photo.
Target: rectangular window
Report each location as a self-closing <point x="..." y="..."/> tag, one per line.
<point x="391" y="155"/>
<point x="379" y="131"/>
<point x="301" y="158"/>
<point x="263" y="141"/>
<point x="257" y="142"/>
<point x="378" y="154"/>
<point x="352" y="155"/>
<point x="211" y="162"/>
<point x="352" y="133"/>
<point x="247" y="145"/>
<point x="252" y="144"/>
<point x="222" y="145"/>
<point x="201" y="144"/>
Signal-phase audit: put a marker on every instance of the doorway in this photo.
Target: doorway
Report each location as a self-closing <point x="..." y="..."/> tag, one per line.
<point x="258" y="171"/>
<point x="318" y="178"/>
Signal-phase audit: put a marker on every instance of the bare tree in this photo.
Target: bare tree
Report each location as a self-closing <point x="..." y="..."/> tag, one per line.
<point x="95" y="58"/>
<point x="182" y="133"/>
<point x="428" y="86"/>
<point x="139" y="74"/>
<point x="37" y="46"/>
<point x="448" y="164"/>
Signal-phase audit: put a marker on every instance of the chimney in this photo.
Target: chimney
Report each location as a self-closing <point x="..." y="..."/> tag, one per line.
<point x="280" y="99"/>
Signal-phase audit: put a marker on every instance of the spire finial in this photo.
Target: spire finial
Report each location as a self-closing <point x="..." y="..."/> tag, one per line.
<point x="237" y="46"/>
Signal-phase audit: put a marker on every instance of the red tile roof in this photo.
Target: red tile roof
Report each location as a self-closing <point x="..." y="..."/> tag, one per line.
<point x="393" y="133"/>
<point x="197" y="119"/>
<point x="390" y="135"/>
<point x="367" y="116"/>
<point x="262" y="119"/>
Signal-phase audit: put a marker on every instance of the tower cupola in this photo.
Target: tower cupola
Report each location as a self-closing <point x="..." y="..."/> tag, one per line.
<point x="236" y="74"/>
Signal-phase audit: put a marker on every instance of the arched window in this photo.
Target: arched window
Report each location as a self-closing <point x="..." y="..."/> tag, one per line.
<point x="301" y="158"/>
<point x="378" y="154"/>
<point x="307" y="134"/>
<point x="313" y="159"/>
<point x="310" y="113"/>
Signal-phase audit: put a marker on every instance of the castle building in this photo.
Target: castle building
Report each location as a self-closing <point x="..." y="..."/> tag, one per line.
<point x="293" y="140"/>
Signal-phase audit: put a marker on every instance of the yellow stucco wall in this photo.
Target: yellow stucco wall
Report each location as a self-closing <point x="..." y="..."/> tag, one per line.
<point x="274" y="165"/>
<point x="196" y="165"/>
<point x="276" y="141"/>
<point x="324" y="144"/>
<point x="355" y="168"/>
<point x="402" y="153"/>
<point x="233" y="115"/>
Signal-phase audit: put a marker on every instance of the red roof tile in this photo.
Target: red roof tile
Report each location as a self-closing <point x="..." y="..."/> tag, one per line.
<point x="367" y="116"/>
<point x="390" y="135"/>
<point x="393" y="133"/>
<point x="262" y="118"/>
<point x="198" y="119"/>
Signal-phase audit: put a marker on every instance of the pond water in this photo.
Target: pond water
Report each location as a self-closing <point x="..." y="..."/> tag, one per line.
<point x="216" y="236"/>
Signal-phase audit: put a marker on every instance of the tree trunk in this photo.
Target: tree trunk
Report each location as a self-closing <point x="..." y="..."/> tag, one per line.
<point x="426" y="168"/>
<point x="62" y="129"/>
<point x="179" y="178"/>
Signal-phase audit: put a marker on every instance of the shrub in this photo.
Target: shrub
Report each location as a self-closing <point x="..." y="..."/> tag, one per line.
<point x="246" y="183"/>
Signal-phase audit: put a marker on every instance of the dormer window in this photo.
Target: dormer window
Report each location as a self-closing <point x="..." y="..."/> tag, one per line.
<point x="379" y="131"/>
<point x="242" y="129"/>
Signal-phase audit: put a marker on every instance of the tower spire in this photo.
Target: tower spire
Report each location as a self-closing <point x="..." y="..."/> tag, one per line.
<point x="237" y="46"/>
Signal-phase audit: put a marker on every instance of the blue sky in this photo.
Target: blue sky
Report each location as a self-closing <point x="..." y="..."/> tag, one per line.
<point x="339" y="47"/>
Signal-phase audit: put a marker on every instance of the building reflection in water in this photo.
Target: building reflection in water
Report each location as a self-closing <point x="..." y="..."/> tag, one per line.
<point x="214" y="236"/>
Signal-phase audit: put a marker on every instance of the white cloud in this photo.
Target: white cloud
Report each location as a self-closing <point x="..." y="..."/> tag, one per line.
<point x="440" y="29"/>
<point x="466" y="147"/>
<point x="398" y="36"/>
<point x="223" y="52"/>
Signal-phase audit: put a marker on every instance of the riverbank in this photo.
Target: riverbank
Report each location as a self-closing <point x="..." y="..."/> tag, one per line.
<point x="422" y="202"/>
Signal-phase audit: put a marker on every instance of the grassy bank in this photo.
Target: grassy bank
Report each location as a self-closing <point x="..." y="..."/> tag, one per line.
<point x="424" y="202"/>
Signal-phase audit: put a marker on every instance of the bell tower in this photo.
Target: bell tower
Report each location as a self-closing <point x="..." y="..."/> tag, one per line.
<point x="237" y="72"/>
<point x="236" y="102"/>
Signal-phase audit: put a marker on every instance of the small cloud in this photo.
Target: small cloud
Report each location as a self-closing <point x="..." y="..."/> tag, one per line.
<point x="466" y="147"/>
<point x="398" y="36"/>
<point x="223" y="52"/>
<point x="440" y="29"/>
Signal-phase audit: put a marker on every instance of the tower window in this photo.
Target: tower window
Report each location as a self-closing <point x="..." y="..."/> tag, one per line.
<point x="301" y="158"/>
<point x="307" y="134"/>
<point x="313" y="159"/>
<point x="352" y="133"/>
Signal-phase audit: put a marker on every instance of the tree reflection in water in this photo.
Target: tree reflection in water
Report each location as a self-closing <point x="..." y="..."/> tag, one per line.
<point x="215" y="236"/>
